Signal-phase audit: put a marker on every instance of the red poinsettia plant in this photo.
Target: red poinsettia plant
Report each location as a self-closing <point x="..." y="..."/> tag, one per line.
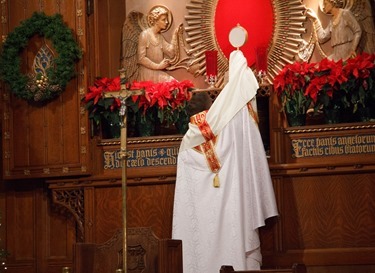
<point x="100" y="107"/>
<point x="328" y="85"/>
<point x="165" y="101"/>
<point x="344" y="85"/>
<point x="360" y="72"/>
<point x="168" y="100"/>
<point x="290" y="86"/>
<point x="325" y="87"/>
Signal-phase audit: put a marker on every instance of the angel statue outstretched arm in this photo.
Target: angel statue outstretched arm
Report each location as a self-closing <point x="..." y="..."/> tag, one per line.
<point x="146" y="54"/>
<point x="343" y="30"/>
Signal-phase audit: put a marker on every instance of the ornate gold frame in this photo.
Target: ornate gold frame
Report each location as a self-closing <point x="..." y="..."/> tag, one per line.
<point x="283" y="49"/>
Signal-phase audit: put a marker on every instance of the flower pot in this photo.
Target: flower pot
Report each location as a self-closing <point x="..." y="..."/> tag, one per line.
<point x="364" y="114"/>
<point x="332" y="116"/>
<point x="296" y="119"/>
<point x="145" y="126"/>
<point x="109" y="129"/>
<point x="371" y="105"/>
<point x="182" y="123"/>
<point x="347" y="116"/>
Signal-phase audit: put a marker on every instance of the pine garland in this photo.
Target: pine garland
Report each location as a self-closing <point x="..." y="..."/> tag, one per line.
<point x="58" y="75"/>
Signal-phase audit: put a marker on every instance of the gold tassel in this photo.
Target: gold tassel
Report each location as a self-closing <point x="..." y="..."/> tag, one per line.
<point x="216" y="181"/>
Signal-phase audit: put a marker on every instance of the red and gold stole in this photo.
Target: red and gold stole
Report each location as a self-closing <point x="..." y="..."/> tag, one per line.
<point x="252" y="112"/>
<point x="208" y="147"/>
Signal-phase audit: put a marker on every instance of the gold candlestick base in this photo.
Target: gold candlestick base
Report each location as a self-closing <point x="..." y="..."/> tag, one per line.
<point x="211" y="80"/>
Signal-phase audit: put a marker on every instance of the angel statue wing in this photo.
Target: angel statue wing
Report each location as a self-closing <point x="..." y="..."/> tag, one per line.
<point x="134" y="24"/>
<point x="363" y="12"/>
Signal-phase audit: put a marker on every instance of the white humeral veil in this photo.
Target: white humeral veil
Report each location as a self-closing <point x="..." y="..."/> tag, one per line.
<point x="219" y="226"/>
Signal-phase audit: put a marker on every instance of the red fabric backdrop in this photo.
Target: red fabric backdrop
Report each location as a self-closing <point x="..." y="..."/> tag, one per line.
<point x="256" y="16"/>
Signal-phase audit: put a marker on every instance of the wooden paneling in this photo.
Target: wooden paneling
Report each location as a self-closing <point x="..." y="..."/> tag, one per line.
<point x="327" y="220"/>
<point x="334" y="213"/>
<point x="38" y="237"/>
<point x="324" y="220"/>
<point x="106" y="199"/>
<point x="152" y="206"/>
<point x="326" y="202"/>
<point x="149" y="204"/>
<point x="21" y="220"/>
<point x="109" y="17"/>
<point x="326" y="205"/>
<point x="46" y="140"/>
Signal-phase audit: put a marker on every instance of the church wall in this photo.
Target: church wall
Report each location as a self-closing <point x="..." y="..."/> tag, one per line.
<point x="39" y="233"/>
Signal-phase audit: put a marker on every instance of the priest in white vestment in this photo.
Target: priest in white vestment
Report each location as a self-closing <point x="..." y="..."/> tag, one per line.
<point x="224" y="190"/>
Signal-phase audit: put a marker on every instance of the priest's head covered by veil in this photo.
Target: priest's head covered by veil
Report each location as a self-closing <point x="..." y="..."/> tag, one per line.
<point x="223" y="190"/>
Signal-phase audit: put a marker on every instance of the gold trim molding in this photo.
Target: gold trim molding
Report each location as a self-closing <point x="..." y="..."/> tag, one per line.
<point x="336" y="128"/>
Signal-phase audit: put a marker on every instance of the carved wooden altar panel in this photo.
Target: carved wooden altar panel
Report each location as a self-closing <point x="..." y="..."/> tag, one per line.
<point x="39" y="236"/>
<point x="154" y="156"/>
<point x="315" y="203"/>
<point x="324" y="220"/>
<point x="324" y="178"/>
<point x="99" y="213"/>
<point x="325" y="203"/>
<point x="49" y="141"/>
<point x="145" y="253"/>
<point x="45" y="140"/>
<point x="332" y="144"/>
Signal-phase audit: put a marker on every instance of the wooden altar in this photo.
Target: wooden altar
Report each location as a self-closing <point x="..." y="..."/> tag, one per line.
<point x="323" y="178"/>
<point x="326" y="202"/>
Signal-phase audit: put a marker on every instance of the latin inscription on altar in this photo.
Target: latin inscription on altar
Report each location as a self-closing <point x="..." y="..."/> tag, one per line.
<point x="333" y="146"/>
<point x="141" y="158"/>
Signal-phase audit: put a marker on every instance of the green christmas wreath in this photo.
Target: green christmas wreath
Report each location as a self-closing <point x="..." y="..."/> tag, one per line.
<point x="39" y="88"/>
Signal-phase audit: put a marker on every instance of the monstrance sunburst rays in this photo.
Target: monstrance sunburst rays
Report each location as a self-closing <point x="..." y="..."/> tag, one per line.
<point x="283" y="49"/>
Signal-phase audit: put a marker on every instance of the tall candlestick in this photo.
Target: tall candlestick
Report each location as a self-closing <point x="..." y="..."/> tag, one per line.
<point x="211" y="67"/>
<point x="261" y="63"/>
<point x="261" y="58"/>
<point x="211" y="62"/>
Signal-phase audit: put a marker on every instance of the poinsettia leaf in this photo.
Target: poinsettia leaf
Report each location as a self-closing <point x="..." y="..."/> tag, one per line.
<point x="89" y="105"/>
<point x="161" y="116"/>
<point x="107" y="102"/>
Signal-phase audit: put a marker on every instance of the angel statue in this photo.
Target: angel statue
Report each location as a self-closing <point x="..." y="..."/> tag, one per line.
<point x="146" y="55"/>
<point x="350" y="30"/>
